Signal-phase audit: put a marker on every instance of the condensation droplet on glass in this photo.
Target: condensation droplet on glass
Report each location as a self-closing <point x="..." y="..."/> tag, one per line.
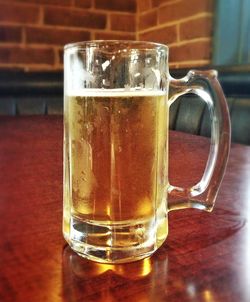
<point x="83" y="176"/>
<point x="140" y="233"/>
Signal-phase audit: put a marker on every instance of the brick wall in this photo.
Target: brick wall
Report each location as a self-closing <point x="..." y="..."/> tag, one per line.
<point x="33" y="32"/>
<point x="184" y="25"/>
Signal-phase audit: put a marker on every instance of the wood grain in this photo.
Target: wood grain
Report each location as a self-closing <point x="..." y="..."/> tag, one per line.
<point x="205" y="258"/>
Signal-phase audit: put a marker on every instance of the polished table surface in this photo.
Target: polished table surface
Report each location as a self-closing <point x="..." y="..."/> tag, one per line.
<point x="205" y="258"/>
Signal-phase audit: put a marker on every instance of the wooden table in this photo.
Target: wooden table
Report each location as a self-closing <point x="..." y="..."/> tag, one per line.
<point x="206" y="257"/>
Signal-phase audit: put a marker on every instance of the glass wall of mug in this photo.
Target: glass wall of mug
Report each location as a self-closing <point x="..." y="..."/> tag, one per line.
<point x="115" y="149"/>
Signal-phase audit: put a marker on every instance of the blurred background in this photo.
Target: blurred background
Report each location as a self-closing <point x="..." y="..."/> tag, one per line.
<point x="200" y="34"/>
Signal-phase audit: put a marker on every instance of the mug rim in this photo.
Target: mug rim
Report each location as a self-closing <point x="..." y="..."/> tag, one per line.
<point x="97" y="43"/>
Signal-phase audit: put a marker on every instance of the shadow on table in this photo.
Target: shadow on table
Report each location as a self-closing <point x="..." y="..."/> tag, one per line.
<point x="200" y="230"/>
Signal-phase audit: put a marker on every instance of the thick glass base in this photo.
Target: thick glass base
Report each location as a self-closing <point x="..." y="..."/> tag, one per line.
<point x="116" y="243"/>
<point x="111" y="255"/>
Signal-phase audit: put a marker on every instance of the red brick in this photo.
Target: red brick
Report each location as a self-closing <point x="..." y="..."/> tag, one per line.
<point x="63" y="16"/>
<point x="11" y="67"/>
<point x="60" y="53"/>
<point x="83" y="3"/>
<point x="143" y="5"/>
<point x="172" y="66"/>
<point x="123" y="22"/>
<point x="20" y="55"/>
<point x="164" y="35"/>
<point x="118" y="5"/>
<point x="19" y="13"/>
<point x="147" y="20"/>
<point x="183" y="9"/>
<point x="10" y="34"/>
<point x="55" y="35"/>
<point x="113" y="36"/>
<point x="39" y="67"/>
<point x="201" y="27"/>
<point x="192" y="64"/>
<point x="51" y="2"/>
<point x="200" y="50"/>
<point x="157" y="3"/>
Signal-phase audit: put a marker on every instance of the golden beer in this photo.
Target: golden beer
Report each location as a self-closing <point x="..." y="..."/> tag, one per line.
<point x="116" y="169"/>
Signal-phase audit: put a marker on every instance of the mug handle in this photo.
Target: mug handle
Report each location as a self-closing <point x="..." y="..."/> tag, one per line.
<point x="206" y="85"/>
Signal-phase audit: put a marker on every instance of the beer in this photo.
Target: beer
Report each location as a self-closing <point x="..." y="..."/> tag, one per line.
<point x="115" y="168"/>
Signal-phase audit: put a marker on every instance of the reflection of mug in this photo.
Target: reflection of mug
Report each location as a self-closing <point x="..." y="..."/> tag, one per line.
<point x="116" y="147"/>
<point x="85" y="270"/>
<point x="90" y="281"/>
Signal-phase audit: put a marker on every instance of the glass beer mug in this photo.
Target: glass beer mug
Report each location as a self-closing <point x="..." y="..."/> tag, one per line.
<point x="117" y="195"/>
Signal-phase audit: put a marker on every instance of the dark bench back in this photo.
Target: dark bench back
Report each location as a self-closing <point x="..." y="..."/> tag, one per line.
<point x="29" y="93"/>
<point x="32" y="93"/>
<point x="190" y="114"/>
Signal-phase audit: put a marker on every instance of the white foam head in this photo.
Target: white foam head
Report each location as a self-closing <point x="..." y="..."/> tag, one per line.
<point x="114" y="92"/>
